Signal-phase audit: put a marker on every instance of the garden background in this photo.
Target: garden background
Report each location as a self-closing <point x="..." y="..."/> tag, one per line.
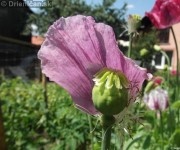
<point x="38" y="114"/>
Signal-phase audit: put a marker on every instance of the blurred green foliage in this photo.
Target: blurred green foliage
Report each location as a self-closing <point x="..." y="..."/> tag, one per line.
<point x="30" y="125"/>
<point x="159" y="130"/>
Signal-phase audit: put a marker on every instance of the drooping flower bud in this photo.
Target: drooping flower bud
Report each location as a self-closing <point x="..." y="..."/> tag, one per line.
<point x="149" y="87"/>
<point x="110" y="92"/>
<point x="155" y="82"/>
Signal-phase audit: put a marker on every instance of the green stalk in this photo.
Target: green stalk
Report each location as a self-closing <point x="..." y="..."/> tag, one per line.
<point x="44" y="85"/>
<point x="130" y="45"/>
<point x="168" y="61"/>
<point x="107" y="123"/>
<point x="177" y="66"/>
<point x="178" y="116"/>
<point x="161" y="129"/>
<point x="106" y="138"/>
<point x="91" y="133"/>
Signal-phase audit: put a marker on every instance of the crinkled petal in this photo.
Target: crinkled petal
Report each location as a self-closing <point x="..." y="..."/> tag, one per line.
<point x="116" y="60"/>
<point x="75" y="49"/>
<point x="70" y="54"/>
<point x="165" y="13"/>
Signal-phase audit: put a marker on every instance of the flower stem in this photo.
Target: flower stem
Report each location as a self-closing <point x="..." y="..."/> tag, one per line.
<point x="91" y="133"/>
<point x="107" y="123"/>
<point x="177" y="66"/>
<point x="169" y="65"/>
<point x="162" y="129"/>
<point x="130" y="45"/>
<point x="44" y="85"/>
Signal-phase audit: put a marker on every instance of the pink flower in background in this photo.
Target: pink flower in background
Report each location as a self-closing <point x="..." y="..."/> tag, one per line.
<point x="75" y="49"/>
<point x="156" y="99"/>
<point x="174" y="73"/>
<point x="158" y="80"/>
<point x="165" y="13"/>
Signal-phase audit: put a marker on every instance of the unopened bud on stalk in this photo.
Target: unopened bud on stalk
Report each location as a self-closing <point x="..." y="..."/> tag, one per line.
<point x="157" y="48"/>
<point x="149" y="87"/>
<point x="134" y="22"/>
<point x="144" y="52"/>
<point x="110" y="92"/>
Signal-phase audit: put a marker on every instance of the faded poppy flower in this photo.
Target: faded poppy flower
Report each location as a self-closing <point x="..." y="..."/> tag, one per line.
<point x="75" y="49"/>
<point x="164" y="13"/>
<point x="156" y="99"/>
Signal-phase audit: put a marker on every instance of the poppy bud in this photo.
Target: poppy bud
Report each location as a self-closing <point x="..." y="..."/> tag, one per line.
<point x="149" y="87"/>
<point x="134" y="22"/>
<point x="144" y="52"/>
<point x="110" y="92"/>
<point x="157" y="48"/>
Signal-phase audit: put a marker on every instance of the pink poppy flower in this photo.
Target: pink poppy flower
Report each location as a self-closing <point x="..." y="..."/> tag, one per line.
<point x="165" y="13"/>
<point x="156" y="99"/>
<point x="158" y="80"/>
<point x="75" y="49"/>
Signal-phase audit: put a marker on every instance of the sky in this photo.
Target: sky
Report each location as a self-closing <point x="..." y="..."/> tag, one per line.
<point x="134" y="6"/>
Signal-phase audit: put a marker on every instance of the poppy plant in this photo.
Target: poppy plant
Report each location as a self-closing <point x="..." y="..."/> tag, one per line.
<point x="164" y="13"/>
<point x="77" y="49"/>
<point x="156" y="99"/>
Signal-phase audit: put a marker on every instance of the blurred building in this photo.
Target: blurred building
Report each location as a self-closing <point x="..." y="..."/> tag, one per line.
<point x="168" y="45"/>
<point x="18" y="50"/>
<point x="13" y="21"/>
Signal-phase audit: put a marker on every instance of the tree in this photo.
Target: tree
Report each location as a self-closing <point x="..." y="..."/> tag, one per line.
<point x="102" y="13"/>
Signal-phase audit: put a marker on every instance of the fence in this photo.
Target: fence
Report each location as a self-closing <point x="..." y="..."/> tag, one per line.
<point x="18" y="58"/>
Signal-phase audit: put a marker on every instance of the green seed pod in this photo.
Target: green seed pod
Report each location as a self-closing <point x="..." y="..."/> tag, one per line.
<point x="110" y="92"/>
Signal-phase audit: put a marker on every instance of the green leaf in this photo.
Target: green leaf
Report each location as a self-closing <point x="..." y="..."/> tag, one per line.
<point x="147" y="142"/>
<point x="176" y="105"/>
